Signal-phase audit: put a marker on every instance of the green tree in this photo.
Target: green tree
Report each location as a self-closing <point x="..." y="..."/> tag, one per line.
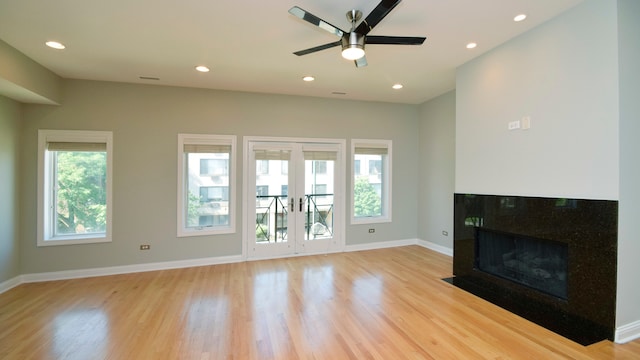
<point x="366" y="200"/>
<point x="193" y="208"/>
<point x="81" y="194"/>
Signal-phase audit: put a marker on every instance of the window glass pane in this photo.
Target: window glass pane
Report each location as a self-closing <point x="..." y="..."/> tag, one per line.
<point x="207" y="189"/>
<point x="214" y="193"/>
<point x="80" y="188"/>
<point x="262" y="167"/>
<point x="320" y="167"/>
<point x="262" y="190"/>
<point x="375" y="165"/>
<point x="367" y="193"/>
<point x="214" y="167"/>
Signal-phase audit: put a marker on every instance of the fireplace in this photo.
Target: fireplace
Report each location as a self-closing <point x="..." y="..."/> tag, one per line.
<point x="550" y="260"/>
<point x="536" y="263"/>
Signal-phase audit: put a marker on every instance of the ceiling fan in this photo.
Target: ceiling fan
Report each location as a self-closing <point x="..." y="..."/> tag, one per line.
<point x="353" y="42"/>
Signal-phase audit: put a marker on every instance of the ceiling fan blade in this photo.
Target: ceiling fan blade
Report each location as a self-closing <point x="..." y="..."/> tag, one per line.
<point x="317" y="48"/>
<point x="361" y="62"/>
<point x="376" y="15"/>
<point x="395" y="40"/>
<point x="309" y="17"/>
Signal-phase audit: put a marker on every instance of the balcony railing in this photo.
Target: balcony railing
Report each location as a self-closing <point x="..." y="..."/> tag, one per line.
<point x="272" y="217"/>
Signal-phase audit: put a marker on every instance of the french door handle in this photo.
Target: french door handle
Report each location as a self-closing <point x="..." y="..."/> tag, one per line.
<point x="301" y="204"/>
<point x="293" y="204"/>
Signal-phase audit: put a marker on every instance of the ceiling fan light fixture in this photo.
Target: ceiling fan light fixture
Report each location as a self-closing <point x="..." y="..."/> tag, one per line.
<point x="352" y="53"/>
<point x="353" y="46"/>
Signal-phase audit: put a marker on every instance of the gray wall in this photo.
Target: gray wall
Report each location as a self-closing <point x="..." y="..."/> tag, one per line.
<point x="437" y="166"/>
<point x="9" y="135"/>
<point x="24" y="80"/>
<point x="628" y="225"/>
<point x="145" y="121"/>
<point x="563" y="74"/>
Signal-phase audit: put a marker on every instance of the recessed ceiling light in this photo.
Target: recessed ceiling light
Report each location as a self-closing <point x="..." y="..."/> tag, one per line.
<point x="202" y="68"/>
<point x="55" y="45"/>
<point x="471" y="45"/>
<point x="520" y="17"/>
<point x="397" y="86"/>
<point x="308" y="78"/>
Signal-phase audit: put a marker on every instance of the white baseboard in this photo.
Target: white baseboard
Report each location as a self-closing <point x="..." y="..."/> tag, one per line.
<point x="628" y="332"/>
<point x="127" y="269"/>
<point x="10" y="284"/>
<point x="380" y="245"/>
<point x="436" y="247"/>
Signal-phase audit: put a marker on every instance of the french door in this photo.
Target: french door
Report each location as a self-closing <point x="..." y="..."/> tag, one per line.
<point x="294" y="192"/>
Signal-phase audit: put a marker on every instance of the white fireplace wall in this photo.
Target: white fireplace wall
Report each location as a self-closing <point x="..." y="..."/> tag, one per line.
<point x="576" y="77"/>
<point x="563" y="76"/>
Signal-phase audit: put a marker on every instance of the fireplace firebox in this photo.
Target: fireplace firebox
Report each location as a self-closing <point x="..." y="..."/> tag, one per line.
<point x="550" y="260"/>
<point x="536" y="263"/>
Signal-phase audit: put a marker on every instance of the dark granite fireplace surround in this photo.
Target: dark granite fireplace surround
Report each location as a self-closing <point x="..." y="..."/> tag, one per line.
<point x="574" y="296"/>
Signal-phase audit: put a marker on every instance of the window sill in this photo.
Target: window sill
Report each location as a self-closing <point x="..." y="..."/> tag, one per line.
<point x="75" y="240"/>
<point x="205" y="231"/>
<point x="370" y="220"/>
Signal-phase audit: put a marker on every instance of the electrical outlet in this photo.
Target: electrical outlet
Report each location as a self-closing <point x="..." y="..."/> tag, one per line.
<point x="371" y="231"/>
<point x="145" y="247"/>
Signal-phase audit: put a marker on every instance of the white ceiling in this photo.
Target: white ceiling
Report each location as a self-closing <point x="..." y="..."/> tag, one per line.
<point x="248" y="44"/>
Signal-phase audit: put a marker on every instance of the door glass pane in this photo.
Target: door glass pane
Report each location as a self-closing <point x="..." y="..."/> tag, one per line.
<point x="318" y="212"/>
<point x="272" y="181"/>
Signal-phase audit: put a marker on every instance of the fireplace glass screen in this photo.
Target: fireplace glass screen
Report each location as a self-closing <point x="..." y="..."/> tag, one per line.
<point x="537" y="263"/>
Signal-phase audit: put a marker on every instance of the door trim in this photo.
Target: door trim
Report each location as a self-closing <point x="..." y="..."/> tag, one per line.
<point x="340" y="183"/>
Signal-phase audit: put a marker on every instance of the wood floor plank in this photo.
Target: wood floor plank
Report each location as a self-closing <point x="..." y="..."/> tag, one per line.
<point x="378" y="304"/>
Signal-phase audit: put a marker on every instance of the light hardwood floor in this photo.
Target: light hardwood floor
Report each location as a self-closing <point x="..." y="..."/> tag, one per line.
<point x="378" y="304"/>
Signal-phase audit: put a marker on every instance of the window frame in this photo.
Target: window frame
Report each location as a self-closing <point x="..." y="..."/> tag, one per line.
<point x="45" y="193"/>
<point x="204" y="139"/>
<point x="385" y="178"/>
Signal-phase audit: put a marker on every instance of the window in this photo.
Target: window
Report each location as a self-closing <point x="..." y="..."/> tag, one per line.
<point x="214" y="193"/>
<point x="320" y="189"/>
<point x="262" y="190"/>
<point x="74" y="187"/>
<point x="371" y="181"/>
<point x="320" y="167"/>
<point x="214" y="167"/>
<point x="262" y="167"/>
<point x="375" y="166"/>
<point x="206" y="176"/>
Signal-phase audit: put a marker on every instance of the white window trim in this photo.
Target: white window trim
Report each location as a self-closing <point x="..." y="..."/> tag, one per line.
<point x="386" y="182"/>
<point x="45" y="195"/>
<point x="183" y="139"/>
